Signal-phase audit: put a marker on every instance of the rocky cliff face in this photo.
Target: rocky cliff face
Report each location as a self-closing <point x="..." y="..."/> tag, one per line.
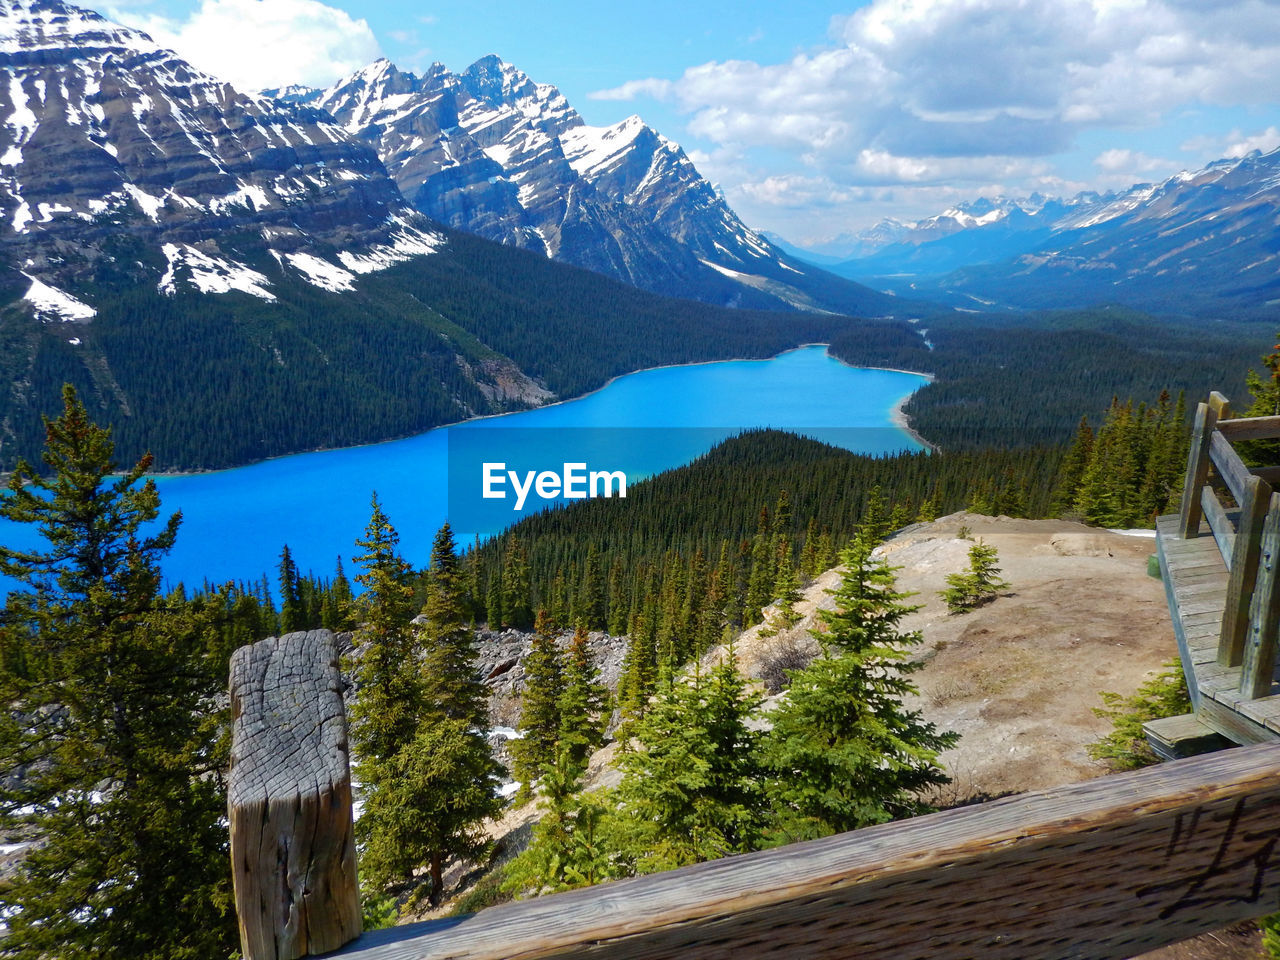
<point x="494" y="153"/>
<point x="105" y="135"/>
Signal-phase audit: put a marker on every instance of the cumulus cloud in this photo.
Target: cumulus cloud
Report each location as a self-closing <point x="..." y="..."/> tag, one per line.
<point x="632" y="89"/>
<point x="1120" y="160"/>
<point x="906" y="85"/>
<point x="263" y="43"/>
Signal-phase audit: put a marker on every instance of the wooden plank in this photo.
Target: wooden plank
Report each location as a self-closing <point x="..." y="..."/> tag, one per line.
<point x="1110" y="868"/>
<point x="1264" y="610"/>
<point x="1244" y="570"/>
<point x="1234" y="725"/>
<point x="1223" y="529"/>
<point x="1265" y="711"/>
<point x="1200" y="588"/>
<point x="1269" y="474"/>
<point x="293" y="853"/>
<point x="1229" y="465"/>
<point x="1220" y="405"/>
<point x="1250" y="428"/>
<point x="1165" y="526"/>
<point x="1173" y="738"/>
<point x="1197" y="470"/>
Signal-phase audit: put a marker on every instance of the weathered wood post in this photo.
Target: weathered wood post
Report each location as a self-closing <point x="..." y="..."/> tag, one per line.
<point x="1197" y="470"/>
<point x="293" y="854"/>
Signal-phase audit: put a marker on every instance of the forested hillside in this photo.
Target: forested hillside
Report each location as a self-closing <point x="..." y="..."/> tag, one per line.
<point x="474" y="328"/>
<point x="1026" y="380"/>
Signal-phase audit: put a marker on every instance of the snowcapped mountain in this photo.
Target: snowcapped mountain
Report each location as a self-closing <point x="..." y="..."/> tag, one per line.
<point x="105" y="136"/>
<point x="1203" y="242"/>
<point x="494" y="153"/>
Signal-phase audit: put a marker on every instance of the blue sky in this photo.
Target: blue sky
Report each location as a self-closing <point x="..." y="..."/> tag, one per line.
<point x="819" y="118"/>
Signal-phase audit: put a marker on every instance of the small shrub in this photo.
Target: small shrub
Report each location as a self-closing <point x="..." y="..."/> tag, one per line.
<point x="782" y="656"/>
<point x="977" y="585"/>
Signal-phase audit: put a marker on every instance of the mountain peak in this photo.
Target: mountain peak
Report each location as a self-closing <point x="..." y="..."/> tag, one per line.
<point x="30" y="25"/>
<point x="495" y="81"/>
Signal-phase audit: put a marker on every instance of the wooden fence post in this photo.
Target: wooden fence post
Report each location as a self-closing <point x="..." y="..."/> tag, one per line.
<point x="293" y="854"/>
<point x="1244" y="572"/>
<point x="1264" y="612"/>
<point x="1197" y="471"/>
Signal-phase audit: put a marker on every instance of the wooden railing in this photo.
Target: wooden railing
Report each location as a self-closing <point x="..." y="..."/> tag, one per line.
<point x="1109" y="868"/>
<point x="1248" y="537"/>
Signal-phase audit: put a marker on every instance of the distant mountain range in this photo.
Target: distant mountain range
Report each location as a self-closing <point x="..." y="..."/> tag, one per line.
<point x="1203" y="243"/>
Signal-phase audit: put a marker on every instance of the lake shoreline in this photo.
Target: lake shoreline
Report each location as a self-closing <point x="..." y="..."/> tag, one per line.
<point x="897" y="416"/>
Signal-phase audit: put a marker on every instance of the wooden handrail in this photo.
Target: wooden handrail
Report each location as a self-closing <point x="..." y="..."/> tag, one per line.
<point x="1109" y="868"/>
<point x="1229" y="465"/>
<point x="1251" y="428"/>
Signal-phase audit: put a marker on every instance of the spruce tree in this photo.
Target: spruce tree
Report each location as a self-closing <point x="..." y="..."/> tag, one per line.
<point x="762" y="574"/>
<point x="980" y="583"/>
<point x="582" y="704"/>
<point x="539" y="706"/>
<point x="844" y="752"/>
<point x="568" y="848"/>
<point x="389" y="700"/>
<point x="517" y="609"/>
<point x="107" y="690"/>
<point x="693" y="789"/>
<point x="425" y="766"/>
<point x="292" y="609"/>
<point x="452" y="687"/>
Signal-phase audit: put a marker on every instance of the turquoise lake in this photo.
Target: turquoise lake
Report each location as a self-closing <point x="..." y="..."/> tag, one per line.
<point x="235" y="521"/>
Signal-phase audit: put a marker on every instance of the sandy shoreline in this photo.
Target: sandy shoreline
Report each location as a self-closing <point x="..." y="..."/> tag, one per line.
<point x="897" y="416"/>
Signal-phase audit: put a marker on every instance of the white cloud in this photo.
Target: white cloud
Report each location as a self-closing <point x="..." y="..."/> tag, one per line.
<point x="263" y="43"/>
<point x="657" y="89"/>
<point x="908" y="86"/>
<point x="1266" y="141"/>
<point x="1121" y="160"/>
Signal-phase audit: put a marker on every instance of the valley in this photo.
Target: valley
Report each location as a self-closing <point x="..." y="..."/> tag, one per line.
<point x="284" y="299"/>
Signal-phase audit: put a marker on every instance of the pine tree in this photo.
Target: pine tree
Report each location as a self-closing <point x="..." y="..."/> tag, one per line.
<point x="517" y="609"/>
<point x="582" y="704"/>
<point x="693" y="790"/>
<point x="292" y="610"/>
<point x="568" y="848"/>
<point x="107" y="690"/>
<point x="762" y="574"/>
<point x="539" y="706"/>
<point x="425" y="766"/>
<point x="977" y="585"/>
<point x="843" y="751"/>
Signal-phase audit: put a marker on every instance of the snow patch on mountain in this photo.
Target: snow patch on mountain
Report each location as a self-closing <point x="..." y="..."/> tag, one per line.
<point x="210" y="274"/>
<point x="590" y="149"/>
<point x="50" y="303"/>
<point x="321" y="273"/>
<point x="407" y="242"/>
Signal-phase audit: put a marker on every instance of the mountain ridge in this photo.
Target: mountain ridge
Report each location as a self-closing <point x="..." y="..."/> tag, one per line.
<point x="1199" y="242"/>
<point x="490" y="151"/>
